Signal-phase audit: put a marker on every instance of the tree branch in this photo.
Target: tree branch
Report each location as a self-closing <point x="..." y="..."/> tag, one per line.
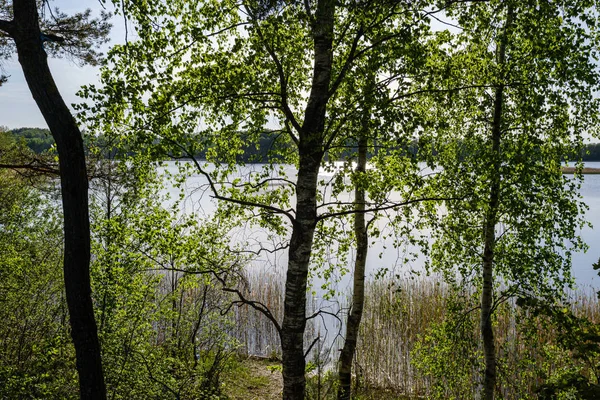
<point x="289" y="115"/>
<point x="8" y="27"/>
<point x="216" y="194"/>
<point x="311" y="17"/>
<point x="383" y="208"/>
<point x="257" y="305"/>
<point x="347" y="63"/>
<point x="315" y="341"/>
<point x="31" y="167"/>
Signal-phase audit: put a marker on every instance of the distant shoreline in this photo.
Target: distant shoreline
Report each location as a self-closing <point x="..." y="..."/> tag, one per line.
<point x="584" y="171"/>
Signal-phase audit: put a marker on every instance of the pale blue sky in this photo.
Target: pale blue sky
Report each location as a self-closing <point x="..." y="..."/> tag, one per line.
<point x="17" y="108"/>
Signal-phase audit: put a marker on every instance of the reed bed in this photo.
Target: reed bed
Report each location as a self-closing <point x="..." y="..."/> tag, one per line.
<point x="398" y="317"/>
<point x="395" y="315"/>
<point x="399" y="327"/>
<point x="256" y="334"/>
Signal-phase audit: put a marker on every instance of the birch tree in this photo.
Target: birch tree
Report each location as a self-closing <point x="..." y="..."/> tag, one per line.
<point x="212" y="76"/>
<point x="531" y="72"/>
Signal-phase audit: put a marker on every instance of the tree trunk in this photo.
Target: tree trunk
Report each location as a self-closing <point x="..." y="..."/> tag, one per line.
<point x="74" y="189"/>
<point x="489" y="233"/>
<point x="310" y="148"/>
<point x="294" y="319"/>
<point x="362" y="248"/>
<point x="487" y="333"/>
<point x="358" y="287"/>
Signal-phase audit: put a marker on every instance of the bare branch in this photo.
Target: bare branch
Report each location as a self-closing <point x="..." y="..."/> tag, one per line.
<point x="257" y="305"/>
<point x="423" y="91"/>
<point x="320" y="312"/>
<point x="311" y="346"/>
<point x="7" y="26"/>
<point x="388" y="207"/>
<point x="264" y="182"/>
<point x="263" y="249"/>
<point x="215" y="191"/>
<point x="32" y="166"/>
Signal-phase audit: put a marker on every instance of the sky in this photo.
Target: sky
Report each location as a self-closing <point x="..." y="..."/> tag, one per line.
<point x="17" y="108"/>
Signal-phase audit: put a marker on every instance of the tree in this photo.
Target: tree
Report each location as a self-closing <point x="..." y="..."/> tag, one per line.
<point x="531" y="73"/>
<point x="21" y="24"/>
<point x="361" y="239"/>
<point x="218" y="69"/>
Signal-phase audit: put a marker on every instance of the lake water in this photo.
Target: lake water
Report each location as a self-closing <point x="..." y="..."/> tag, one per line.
<point x="582" y="262"/>
<point x="383" y="253"/>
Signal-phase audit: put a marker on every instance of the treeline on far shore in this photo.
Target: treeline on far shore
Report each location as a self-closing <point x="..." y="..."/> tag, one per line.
<point x="40" y="140"/>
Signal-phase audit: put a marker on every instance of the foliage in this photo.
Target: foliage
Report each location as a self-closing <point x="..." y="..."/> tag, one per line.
<point x="159" y="306"/>
<point x="232" y="82"/>
<point x="37" y="359"/>
<point x="516" y="100"/>
<point x="577" y="334"/>
<point x="78" y="33"/>
<point x="547" y="110"/>
<point x="182" y="92"/>
<point x="25" y="29"/>
<point x="448" y="355"/>
<point x="225" y="104"/>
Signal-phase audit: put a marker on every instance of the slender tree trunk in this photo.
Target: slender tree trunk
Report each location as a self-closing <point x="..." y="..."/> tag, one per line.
<point x="104" y="308"/>
<point x="362" y="248"/>
<point x="310" y="150"/>
<point x="489" y="233"/>
<point x="487" y="332"/>
<point x="74" y="189"/>
<point x="358" y="287"/>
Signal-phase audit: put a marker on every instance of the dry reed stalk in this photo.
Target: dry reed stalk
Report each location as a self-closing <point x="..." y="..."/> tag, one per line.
<point x="396" y="315"/>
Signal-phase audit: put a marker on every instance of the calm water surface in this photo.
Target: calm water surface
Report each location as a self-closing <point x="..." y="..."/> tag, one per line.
<point x="582" y="262"/>
<point x="383" y="253"/>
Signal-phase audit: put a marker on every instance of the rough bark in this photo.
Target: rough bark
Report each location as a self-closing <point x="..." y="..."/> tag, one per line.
<point x="310" y="149"/>
<point x="489" y="233"/>
<point x="358" y="285"/>
<point x="26" y="33"/>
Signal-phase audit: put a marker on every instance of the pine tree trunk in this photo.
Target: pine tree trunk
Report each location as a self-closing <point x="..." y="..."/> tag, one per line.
<point x="74" y="189"/>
